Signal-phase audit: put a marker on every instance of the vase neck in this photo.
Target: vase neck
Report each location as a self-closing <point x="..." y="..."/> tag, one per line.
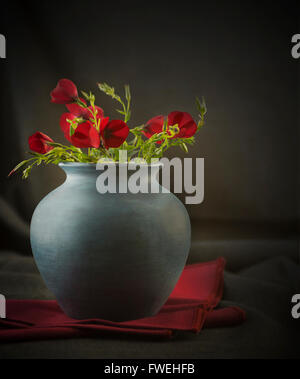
<point x="120" y="176"/>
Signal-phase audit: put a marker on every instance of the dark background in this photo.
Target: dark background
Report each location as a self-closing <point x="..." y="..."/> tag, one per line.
<point x="236" y="54"/>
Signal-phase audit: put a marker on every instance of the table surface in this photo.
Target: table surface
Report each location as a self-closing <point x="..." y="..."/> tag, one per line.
<point x="263" y="286"/>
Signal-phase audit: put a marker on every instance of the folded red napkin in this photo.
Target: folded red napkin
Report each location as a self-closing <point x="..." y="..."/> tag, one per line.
<point x="189" y="308"/>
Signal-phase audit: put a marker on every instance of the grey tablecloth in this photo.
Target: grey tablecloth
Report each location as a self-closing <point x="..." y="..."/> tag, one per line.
<point x="263" y="288"/>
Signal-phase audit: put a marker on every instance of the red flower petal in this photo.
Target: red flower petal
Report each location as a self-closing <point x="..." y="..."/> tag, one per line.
<point x="154" y="126"/>
<point x="77" y="110"/>
<point x="85" y="136"/>
<point x="64" y="93"/>
<point x="114" y="133"/>
<point x="38" y="143"/>
<point x="103" y="122"/>
<point x="85" y="113"/>
<point x="65" y="125"/>
<point x="185" y="122"/>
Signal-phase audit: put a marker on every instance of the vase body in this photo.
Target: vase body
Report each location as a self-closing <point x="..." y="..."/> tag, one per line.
<point x="113" y="256"/>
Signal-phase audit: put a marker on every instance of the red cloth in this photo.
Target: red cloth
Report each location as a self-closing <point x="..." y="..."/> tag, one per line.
<point x="189" y="308"/>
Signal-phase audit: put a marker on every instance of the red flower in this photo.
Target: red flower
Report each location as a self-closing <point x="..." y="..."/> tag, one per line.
<point x="85" y="136"/>
<point x="85" y="113"/>
<point x="154" y="126"/>
<point x="184" y="120"/>
<point x="78" y="111"/>
<point x="64" y="93"/>
<point x="65" y="125"/>
<point x="38" y="143"/>
<point x="114" y="133"/>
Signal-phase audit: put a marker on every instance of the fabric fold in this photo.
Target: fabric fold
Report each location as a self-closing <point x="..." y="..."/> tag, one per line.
<point x="190" y="307"/>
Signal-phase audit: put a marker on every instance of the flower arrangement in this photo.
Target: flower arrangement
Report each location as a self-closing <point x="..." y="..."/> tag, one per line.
<point x="86" y="127"/>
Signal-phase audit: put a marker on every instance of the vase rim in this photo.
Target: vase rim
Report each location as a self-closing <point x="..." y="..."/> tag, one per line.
<point x="90" y="164"/>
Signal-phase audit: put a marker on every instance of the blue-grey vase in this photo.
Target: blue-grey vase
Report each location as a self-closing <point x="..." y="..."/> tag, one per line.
<point x="113" y="256"/>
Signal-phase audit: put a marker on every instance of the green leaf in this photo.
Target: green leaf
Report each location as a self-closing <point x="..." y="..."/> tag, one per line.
<point x="201" y="106"/>
<point x="184" y="147"/>
<point x="86" y="95"/>
<point x="17" y="168"/>
<point x="128" y="115"/>
<point x="127" y="93"/>
<point x="109" y="91"/>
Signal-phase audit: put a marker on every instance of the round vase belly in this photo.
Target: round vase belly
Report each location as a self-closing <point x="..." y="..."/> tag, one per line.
<point x="110" y="256"/>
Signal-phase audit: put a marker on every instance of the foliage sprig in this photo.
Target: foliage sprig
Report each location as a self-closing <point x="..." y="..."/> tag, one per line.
<point x="140" y="145"/>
